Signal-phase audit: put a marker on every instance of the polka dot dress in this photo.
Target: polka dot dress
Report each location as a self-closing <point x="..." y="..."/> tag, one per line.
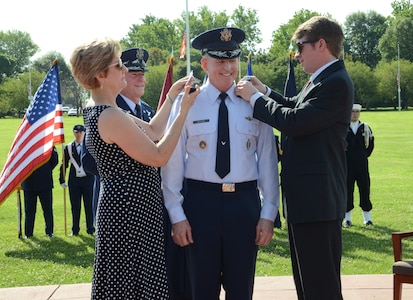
<point x="129" y="256"/>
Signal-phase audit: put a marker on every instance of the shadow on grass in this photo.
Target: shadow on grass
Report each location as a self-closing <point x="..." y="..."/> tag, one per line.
<point x="372" y="244"/>
<point x="75" y="251"/>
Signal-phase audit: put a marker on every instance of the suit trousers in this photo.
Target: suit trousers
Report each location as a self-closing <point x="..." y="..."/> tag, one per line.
<point x="30" y="207"/>
<point x="224" y="252"/>
<point x="316" y="250"/>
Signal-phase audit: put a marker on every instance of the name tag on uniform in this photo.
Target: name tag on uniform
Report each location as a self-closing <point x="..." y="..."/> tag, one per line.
<point x="201" y="121"/>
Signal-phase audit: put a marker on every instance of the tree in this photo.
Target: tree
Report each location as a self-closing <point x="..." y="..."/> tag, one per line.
<point x="387" y="86"/>
<point x="68" y="85"/>
<point x="247" y="20"/>
<point x="152" y="33"/>
<point x="14" y="92"/>
<point x="365" y="84"/>
<point x="16" y="49"/>
<point x="402" y="9"/>
<point x="362" y="32"/>
<point x="396" y="36"/>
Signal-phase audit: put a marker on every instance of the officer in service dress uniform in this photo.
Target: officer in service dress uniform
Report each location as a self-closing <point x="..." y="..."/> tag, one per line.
<point x="80" y="183"/>
<point x="225" y="158"/>
<point x="130" y="98"/>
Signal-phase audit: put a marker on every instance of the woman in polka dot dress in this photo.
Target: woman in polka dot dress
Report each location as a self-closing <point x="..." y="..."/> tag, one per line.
<point x="129" y="256"/>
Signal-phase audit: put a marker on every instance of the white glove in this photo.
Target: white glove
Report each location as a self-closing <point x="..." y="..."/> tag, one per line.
<point x="63" y="185"/>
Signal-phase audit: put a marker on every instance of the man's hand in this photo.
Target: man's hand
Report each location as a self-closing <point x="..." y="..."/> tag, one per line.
<point x="245" y="90"/>
<point x="182" y="233"/>
<point x="264" y="232"/>
<point x="63" y="185"/>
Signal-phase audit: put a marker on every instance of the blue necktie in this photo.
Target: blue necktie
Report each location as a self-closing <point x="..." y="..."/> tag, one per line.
<point x="138" y="111"/>
<point x="222" y="164"/>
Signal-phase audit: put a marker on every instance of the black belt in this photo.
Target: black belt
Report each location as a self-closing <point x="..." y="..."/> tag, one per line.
<point x="222" y="187"/>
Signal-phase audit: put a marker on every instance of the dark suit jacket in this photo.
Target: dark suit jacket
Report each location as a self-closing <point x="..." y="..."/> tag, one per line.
<point x="42" y="179"/>
<point x="147" y="111"/>
<point x="315" y="124"/>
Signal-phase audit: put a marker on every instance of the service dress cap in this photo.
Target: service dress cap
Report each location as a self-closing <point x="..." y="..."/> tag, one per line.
<point x="78" y="128"/>
<point x="356" y="106"/>
<point x="220" y="43"/>
<point x="135" y="59"/>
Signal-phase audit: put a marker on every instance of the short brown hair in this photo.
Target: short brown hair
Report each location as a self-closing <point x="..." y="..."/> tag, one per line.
<point x="90" y="59"/>
<point x="320" y="27"/>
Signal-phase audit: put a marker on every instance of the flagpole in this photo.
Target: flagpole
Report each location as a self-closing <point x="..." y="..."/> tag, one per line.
<point x="64" y="188"/>
<point x="19" y="214"/>
<point x="188" y="56"/>
<point x="398" y="76"/>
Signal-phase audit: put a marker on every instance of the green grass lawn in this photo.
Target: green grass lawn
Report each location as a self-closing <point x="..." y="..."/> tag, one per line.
<point x="367" y="250"/>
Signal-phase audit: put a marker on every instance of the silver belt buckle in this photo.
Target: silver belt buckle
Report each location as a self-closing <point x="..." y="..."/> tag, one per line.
<point x="228" y="187"/>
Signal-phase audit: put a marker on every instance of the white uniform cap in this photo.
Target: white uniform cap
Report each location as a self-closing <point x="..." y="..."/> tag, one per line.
<point x="357" y="106"/>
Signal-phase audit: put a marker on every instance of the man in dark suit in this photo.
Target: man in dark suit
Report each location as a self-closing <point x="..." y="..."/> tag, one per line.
<point x="314" y="169"/>
<point x="40" y="184"/>
<point x="130" y="98"/>
<point x="80" y="183"/>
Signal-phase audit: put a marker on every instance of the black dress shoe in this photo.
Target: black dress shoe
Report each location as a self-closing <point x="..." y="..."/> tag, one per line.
<point x="50" y="235"/>
<point x="347" y="224"/>
<point x="369" y="223"/>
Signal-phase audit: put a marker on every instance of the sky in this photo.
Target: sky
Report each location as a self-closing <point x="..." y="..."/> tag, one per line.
<point x="54" y="26"/>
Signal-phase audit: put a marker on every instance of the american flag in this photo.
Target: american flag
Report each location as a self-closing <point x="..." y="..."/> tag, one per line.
<point x="40" y="129"/>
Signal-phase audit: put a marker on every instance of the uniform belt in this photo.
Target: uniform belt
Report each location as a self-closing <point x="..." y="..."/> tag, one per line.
<point x="222" y="187"/>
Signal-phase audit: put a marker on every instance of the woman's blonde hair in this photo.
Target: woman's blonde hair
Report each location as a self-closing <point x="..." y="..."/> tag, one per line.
<point x="89" y="59"/>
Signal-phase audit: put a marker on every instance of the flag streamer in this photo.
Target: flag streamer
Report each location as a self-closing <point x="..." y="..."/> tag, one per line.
<point x="249" y="66"/>
<point x="168" y="81"/>
<point x="290" y="88"/>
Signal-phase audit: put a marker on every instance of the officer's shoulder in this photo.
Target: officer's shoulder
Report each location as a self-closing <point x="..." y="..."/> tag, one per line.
<point x="143" y="103"/>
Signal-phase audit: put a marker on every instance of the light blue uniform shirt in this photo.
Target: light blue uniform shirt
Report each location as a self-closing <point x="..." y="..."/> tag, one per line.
<point x="252" y="144"/>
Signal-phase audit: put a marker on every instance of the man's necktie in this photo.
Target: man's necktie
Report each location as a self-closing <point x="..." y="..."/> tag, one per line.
<point x="138" y="112"/>
<point x="222" y="164"/>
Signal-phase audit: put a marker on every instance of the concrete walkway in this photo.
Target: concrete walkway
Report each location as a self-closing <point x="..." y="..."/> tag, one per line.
<point x="355" y="287"/>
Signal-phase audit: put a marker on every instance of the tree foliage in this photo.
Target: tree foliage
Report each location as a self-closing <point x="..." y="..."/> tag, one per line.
<point x="362" y="33"/>
<point x="16" y="49"/>
<point x="371" y="44"/>
<point x="397" y="37"/>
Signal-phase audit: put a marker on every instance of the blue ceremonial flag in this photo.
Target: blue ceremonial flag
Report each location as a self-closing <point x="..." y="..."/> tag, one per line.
<point x="249" y="67"/>
<point x="40" y="129"/>
<point x="290" y="88"/>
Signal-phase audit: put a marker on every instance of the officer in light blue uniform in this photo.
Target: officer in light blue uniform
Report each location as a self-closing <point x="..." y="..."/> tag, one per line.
<point x="220" y="219"/>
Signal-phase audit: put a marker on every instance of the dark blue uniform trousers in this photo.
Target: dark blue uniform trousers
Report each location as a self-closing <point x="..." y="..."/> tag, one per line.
<point x="224" y="252"/>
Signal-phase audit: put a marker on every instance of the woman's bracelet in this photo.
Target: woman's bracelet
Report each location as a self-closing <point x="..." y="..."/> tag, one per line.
<point x="170" y="99"/>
